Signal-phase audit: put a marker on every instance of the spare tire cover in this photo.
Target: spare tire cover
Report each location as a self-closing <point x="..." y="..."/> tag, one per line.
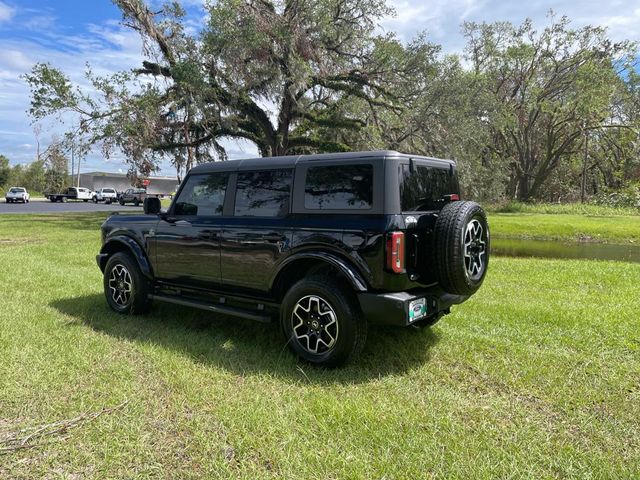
<point x="461" y="247"/>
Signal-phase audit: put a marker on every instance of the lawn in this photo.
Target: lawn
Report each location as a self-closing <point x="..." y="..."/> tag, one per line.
<point x="566" y="227"/>
<point x="537" y="376"/>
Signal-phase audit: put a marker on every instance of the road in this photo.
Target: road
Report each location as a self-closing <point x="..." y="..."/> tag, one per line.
<point x="42" y="206"/>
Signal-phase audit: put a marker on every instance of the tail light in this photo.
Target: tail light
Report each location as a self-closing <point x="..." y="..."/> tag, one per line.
<point x="395" y="252"/>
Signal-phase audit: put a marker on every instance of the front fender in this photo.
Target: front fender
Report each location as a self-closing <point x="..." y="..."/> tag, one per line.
<point x="120" y="243"/>
<point x="350" y="272"/>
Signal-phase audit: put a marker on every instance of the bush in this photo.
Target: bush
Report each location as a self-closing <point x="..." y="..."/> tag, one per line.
<point x="625" y="197"/>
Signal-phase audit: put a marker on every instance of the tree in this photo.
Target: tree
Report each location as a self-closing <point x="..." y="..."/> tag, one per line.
<point x="273" y="73"/>
<point x="5" y="171"/>
<point x="548" y="91"/>
<point x="57" y="168"/>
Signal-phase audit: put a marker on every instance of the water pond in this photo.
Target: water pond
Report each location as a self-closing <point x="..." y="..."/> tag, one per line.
<point x="508" y="247"/>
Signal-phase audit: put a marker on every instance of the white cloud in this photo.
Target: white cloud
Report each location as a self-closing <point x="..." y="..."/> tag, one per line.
<point x="6" y="12"/>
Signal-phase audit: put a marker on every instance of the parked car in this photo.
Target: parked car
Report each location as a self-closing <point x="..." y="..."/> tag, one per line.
<point x="132" y="195"/>
<point x="106" y="195"/>
<point x="71" y="193"/>
<point x="17" y="194"/>
<point x="324" y="243"/>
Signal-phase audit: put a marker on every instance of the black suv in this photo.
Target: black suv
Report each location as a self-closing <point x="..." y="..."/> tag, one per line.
<point x="326" y="243"/>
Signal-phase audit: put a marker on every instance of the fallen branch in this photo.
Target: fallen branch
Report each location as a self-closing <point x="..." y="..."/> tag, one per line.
<point x="28" y="437"/>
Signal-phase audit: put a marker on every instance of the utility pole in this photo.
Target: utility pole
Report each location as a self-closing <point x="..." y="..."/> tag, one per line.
<point x="73" y="167"/>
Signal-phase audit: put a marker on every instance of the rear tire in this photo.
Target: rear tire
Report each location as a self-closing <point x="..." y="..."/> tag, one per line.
<point x="95" y="199"/>
<point x="121" y="202"/>
<point x="461" y="247"/>
<point x="125" y="287"/>
<point x="322" y="322"/>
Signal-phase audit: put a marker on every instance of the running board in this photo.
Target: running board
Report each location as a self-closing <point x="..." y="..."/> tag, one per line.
<point x="236" y="312"/>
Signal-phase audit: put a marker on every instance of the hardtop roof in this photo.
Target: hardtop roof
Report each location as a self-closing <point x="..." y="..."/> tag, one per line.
<point x="292" y="160"/>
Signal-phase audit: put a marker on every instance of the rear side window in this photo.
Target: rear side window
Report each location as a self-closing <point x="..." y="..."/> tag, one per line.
<point x="425" y="187"/>
<point x="263" y="193"/>
<point x="339" y="187"/>
<point x="202" y="195"/>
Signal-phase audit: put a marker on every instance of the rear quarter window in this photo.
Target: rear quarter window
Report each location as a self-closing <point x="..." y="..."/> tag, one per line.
<point x="339" y="187"/>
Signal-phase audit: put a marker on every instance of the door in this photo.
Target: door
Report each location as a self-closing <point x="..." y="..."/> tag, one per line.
<point x="187" y="240"/>
<point x="257" y="234"/>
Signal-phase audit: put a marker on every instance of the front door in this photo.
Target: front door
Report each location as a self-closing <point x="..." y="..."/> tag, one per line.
<point x="187" y="241"/>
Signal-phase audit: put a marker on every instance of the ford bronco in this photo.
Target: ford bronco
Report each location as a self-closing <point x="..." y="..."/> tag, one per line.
<point x="323" y="243"/>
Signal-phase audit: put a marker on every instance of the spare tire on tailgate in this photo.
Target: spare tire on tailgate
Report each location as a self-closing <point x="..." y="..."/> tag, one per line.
<point x="461" y="247"/>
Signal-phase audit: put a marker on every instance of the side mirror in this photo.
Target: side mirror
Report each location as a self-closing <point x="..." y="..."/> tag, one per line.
<point x="152" y="205"/>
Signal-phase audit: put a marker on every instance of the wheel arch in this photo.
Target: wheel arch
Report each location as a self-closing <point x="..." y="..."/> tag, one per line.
<point x="123" y="243"/>
<point x="299" y="265"/>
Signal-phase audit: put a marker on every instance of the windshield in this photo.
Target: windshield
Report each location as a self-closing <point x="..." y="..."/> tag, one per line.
<point x="425" y="187"/>
<point x="108" y="190"/>
<point x="17" y="190"/>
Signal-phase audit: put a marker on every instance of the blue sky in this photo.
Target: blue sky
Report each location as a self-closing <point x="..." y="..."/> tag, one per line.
<point x="70" y="33"/>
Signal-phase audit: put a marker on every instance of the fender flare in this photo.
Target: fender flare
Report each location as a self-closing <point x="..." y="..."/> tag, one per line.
<point x="354" y="277"/>
<point x="131" y="246"/>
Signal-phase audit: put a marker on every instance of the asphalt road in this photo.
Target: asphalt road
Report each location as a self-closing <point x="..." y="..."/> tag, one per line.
<point x="42" y="206"/>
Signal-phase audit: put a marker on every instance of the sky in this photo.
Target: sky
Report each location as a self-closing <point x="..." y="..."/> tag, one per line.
<point x="71" y="33"/>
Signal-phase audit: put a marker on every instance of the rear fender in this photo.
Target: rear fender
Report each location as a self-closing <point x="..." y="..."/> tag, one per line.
<point x="352" y="275"/>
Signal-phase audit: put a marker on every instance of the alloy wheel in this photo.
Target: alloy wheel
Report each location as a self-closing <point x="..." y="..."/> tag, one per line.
<point x="315" y="324"/>
<point x="120" y="285"/>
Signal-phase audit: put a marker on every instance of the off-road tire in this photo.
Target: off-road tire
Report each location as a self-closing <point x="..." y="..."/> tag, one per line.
<point x="449" y="258"/>
<point x="138" y="301"/>
<point x="351" y="324"/>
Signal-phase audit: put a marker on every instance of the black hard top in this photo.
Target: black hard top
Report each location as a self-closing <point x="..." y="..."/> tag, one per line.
<point x="292" y="160"/>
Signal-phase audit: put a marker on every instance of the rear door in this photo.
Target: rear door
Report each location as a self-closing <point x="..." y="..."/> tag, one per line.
<point x="187" y="242"/>
<point x="257" y="234"/>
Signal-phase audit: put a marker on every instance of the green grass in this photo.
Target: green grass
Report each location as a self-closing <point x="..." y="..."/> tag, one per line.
<point x="563" y="208"/>
<point x="566" y="227"/>
<point x="537" y="376"/>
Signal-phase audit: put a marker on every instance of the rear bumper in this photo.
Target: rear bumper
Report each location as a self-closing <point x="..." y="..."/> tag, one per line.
<point x="404" y="308"/>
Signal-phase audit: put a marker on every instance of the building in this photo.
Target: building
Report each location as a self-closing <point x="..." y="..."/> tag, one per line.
<point x="119" y="181"/>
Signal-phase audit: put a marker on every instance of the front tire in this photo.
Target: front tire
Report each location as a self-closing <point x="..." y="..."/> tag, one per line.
<point x="322" y="322"/>
<point x="95" y="199"/>
<point x="136" y="202"/>
<point x="125" y="287"/>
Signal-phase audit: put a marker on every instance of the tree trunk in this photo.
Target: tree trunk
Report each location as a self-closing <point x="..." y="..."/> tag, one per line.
<point x="524" y="192"/>
<point x="583" y="183"/>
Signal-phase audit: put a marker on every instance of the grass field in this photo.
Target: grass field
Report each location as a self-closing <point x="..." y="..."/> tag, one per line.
<point x="537" y="376"/>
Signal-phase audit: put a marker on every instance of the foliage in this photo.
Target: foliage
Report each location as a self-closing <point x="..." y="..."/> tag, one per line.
<point x="549" y="92"/>
<point x="271" y="73"/>
<point x="549" y="114"/>
<point x="57" y="169"/>
<point x="624" y="197"/>
<point x="5" y="171"/>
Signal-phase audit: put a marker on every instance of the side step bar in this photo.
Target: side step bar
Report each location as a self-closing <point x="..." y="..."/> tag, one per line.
<point x="210" y="307"/>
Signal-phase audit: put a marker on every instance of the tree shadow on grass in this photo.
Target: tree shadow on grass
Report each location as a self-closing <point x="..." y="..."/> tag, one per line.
<point x="245" y="347"/>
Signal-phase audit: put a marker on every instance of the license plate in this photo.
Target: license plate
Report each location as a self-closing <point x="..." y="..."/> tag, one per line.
<point x="417" y="309"/>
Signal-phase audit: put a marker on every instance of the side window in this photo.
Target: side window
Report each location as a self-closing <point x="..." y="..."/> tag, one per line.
<point x="264" y="193"/>
<point x="339" y="187"/>
<point x="202" y="195"/>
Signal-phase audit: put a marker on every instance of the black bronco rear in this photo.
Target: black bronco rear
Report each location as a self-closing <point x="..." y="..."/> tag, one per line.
<point x="325" y="243"/>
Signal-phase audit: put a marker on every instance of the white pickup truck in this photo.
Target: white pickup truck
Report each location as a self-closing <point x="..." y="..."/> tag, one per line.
<point x="106" y="195"/>
<point x="17" y="194"/>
